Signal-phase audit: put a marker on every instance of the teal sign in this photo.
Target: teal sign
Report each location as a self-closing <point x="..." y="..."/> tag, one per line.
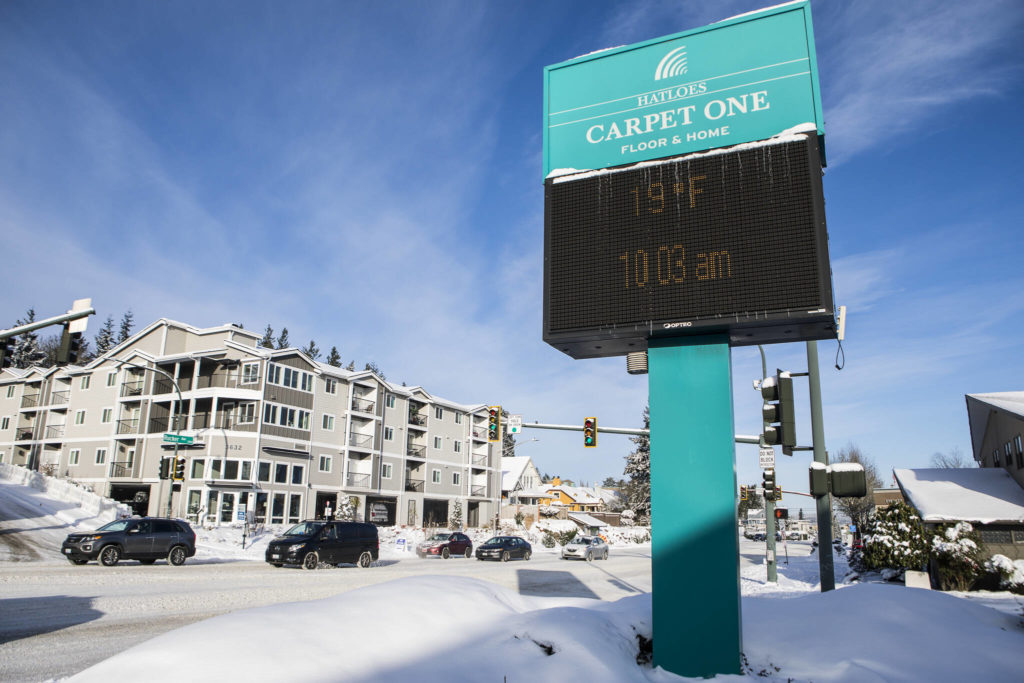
<point x="177" y="438"/>
<point x="740" y="80"/>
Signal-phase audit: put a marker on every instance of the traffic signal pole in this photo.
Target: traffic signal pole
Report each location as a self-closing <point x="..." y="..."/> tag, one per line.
<point x="826" y="568"/>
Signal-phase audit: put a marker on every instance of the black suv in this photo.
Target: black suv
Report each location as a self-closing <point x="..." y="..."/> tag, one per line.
<point x="147" y="540"/>
<point x="310" y="543"/>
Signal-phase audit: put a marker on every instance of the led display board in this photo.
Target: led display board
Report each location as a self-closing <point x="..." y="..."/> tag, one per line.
<point x="740" y="80"/>
<point x="732" y="240"/>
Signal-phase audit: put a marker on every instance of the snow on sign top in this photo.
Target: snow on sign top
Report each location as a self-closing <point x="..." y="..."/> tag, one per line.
<point x="738" y="80"/>
<point x="985" y="495"/>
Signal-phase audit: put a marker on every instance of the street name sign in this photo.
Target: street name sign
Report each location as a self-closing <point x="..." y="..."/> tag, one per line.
<point x="177" y="438"/>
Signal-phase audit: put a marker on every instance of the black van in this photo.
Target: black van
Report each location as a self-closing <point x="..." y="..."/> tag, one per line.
<point x="310" y="543"/>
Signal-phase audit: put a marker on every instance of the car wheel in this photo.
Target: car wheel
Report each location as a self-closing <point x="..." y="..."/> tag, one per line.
<point x="148" y="560"/>
<point x="78" y="562"/>
<point x="278" y="565"/>
<point x="606" y="554"/>
<point x="526" y="556"/>
<point x="365" y="560"/>
<point x="177" y="556"/>
<point x="589" y="557"/>
<point x="469" y="553"/>
<point x="110" y="555"/>
<point x="505" y="556"/>
<point x="311" y="560"/>
<point x="445" y="554"/>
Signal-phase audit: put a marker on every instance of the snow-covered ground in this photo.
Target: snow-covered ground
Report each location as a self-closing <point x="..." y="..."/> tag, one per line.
<point x="479" y="621"/>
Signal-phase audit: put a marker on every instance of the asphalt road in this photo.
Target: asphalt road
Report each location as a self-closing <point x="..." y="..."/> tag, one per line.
<point x="57" y="619"/>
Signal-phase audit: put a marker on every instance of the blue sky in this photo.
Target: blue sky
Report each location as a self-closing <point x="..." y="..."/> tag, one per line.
<point x="368" y="175"/>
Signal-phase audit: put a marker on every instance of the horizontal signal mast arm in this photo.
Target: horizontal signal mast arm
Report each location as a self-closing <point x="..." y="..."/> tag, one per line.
<point x="622" y="430"/>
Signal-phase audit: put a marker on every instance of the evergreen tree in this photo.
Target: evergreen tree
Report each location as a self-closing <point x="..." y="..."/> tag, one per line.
<point x="895" y="539"/>
<point x="372" y="367"/>
<point x="312" y="350"/>
<point x="800" y="516"/>
<point x="282" y="341"/>
<point x="104" y="339"/>
<point x="638" y="469"/>
<point x="268" y="338"/>
<point x="49" y="347"/>
<point x="455" y="521"/>
<point x="127" y="323"/>
<point x="753" y="502"/>
<point x="351" y="367"/>
<point x="334" y="358"/>
<point x="25" y="351"/>
<point x="508" y="441"/>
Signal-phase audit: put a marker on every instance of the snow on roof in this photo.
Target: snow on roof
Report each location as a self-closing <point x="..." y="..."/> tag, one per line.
<point x="511" y="470"/>
<point x="980" y="406"/>
<point x="585" y="519"/>
<point x="577" y="493"/>
<point x="985" y="495"/>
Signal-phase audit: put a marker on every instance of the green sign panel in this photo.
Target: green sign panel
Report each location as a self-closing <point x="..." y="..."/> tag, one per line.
<point x="177" y="438"/>
<point x="744" y="79"/>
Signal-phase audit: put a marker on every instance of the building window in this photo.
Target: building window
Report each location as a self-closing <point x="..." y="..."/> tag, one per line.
<point x="74" y="455"/>
<point x="325" y="463"/>
<point x="246" y="413"/>
<point x="329" y="422"/>
<point x="5" y="423"/>
<point x="303" y="419"/>
<point x="274" y="374"/>
<point x="107" y="415"/>
<point x="80" y="417"/>
<point x="297" y="471"/>
<point x="277" y="509"/>
<point x="112" y="378"/>
<point x="457" y="445"/>
<point x="438" y="413"/>
<point x="10" y="391"/>
<point x="281" y="473"/>
<point x="101" y="456"/>
<point x="389" y="433"/>
<point x="250" y="373"/>
<point x="386" y="470"/>
<point x="263" y="471"/>
<point x="435" y="476"/>
<point x="84" y="384"/>
<point x="389" y="401"/>
<point x="294" y="508"/>
<point x="456" y="478"/>
<point x="458" y="418"/>
<point x="331" y="385"/>
<point x="269" y="414"/>
<point x="198" y="466"/>
<point x="437" y="443"/>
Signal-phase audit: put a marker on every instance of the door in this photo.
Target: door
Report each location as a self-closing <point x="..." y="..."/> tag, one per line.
<point x="348" y="543"/>
<point x="330" y="545"/>
<point x="227" y="507"/>
<point x="139" y="539"/>
<point x="212" y="498"/>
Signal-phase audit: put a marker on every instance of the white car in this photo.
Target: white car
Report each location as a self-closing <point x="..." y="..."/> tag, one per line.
<point x="587" y="548"/>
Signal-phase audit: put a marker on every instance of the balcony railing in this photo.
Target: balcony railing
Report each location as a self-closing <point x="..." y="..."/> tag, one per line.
<point x="121" y="469"/>
<point x="415" y="485"/>
<point x="357" y="480"/>
<point x="361" y="440"/>
<point x="23" y="435"/>
<point x="54" y="431"/>
<point x="130" y="426"/>
<point x="480" y="433"/>
<point x="30" y="400"/>
<point x="362" y="405"/>
<point x="417" y="419"/>
<point x="478" y="491"/>
<point x="132" y="388"/>
<point x="163" y="385"/>
<point x="416" y="451"/>
<point x="479" y="460"/>
<point x="58" y="398"/>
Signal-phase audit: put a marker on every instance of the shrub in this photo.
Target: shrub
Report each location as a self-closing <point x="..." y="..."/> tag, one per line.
<point x="520" y="516"/>
<point x="548" y="540"/>
<point x="565" y="536"/>
<point x="894" y="539"/>
<point x="955" y="549"/>
<point x="1008" y="573"/>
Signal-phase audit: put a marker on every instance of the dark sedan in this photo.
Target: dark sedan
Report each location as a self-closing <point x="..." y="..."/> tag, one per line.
<point x="504" y="548"/>
<point x="445" y="545"/>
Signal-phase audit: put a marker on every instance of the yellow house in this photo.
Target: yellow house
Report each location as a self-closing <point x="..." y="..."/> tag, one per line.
<point x="574" y="498"/>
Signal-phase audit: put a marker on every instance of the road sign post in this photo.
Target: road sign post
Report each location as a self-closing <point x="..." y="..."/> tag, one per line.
<point x="692" y="440"/>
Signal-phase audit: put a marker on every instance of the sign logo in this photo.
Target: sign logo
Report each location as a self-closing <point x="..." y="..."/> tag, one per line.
<point x="671" y="65"/>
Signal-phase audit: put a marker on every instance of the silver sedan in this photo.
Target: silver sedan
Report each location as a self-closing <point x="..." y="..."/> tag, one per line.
<point x="587" y="548"/>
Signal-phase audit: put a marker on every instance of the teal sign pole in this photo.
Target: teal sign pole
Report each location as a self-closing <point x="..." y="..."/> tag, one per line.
<point x="695" y="565"/>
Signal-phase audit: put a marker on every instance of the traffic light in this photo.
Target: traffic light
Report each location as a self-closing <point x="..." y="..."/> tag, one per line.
<point x="70" y="346"/>
<point x="165" y="468"/>
<point x="781" y="513"/>
<point x="743" y="492"/>
<point x="589" y="432"/>
<point x="778" y="411"/>
<point x="5" y="352"/>
<point x="179" y="469"/>
<point x="494" y="423"/>
<point x="769" y="484"/>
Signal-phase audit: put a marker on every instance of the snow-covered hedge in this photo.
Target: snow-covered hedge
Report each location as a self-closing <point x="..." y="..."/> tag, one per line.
<point x="1010" y="572"/>
<point x="895" y="539"/>
<point x="955" y="548"/>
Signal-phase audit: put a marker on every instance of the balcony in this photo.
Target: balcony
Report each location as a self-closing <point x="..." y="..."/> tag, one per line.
<point x="163" y="385"/>
<point x="479" y="461"/>
<point x="480" y="434"/>
<point x="23" y="435"/>
<point x="30" y="400"/>
<point x="362" y="405"/>
<point x="357" y="480"/>
<point x="163" y="424"/>
<point x="478" y="491"/>
<point x="414" y="451"/>
<point x="54" y="431"/>
<point x="121" y="469"/>
<point x="360" y="440"/>
<point x="415" y="485"/>
<point x="59" y="398"/>
<point x="130" y="426"/>
<point x="132" y="388"/>
<point x="418" y="420"/>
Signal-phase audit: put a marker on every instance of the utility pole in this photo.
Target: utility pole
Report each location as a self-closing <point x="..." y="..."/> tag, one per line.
<point x="824" y="503"/>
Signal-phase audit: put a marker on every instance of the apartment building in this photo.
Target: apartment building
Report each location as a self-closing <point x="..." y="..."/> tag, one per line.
<point x="275" y="435"/>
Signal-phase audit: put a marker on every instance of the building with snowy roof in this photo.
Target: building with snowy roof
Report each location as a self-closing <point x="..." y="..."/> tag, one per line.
<point x="997" y="423"/>
<point x="268" y="434"/>
<point x="574" y="498"/>
<point x="519" y="477"/>
<point x="988" y="498"/>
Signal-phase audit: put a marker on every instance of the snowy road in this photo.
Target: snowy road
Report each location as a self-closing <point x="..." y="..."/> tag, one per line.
<point x="57" y="619"/>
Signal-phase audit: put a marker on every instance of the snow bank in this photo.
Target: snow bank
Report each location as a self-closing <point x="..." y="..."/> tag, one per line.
<point x="92" y="506"/>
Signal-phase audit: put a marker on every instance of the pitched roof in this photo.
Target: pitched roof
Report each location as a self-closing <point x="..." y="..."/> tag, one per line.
<point x="511" y="470"/>
<point x="586" y="520"/>
<point x="987" y="495"/>
<point x="980" y="406"/>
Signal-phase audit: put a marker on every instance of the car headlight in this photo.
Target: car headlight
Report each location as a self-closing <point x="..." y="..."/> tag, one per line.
<point x="296" y="547"/>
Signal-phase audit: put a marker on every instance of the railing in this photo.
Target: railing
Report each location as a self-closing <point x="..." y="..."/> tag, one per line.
<point x="357" y="480"/>
<point x="29" y="400"/>
<point x="362" y="405"/>
<point x="417" y="451"/>
<point x="480" y="433"/>
<point x="415" y="485"/>
<point x="163" y="385"/>
<point x="479" y="460"/>
<point x="121" y="469"/>
<point x="479" y="491"/>
<point x="128" y="426"/>
<point x="418" y="419"/>
<point x="23" y="435"/>
<point x="200" y="421"/>
<point x="54" y="431"/>
<point x="361" y="440"/>
<point x="59" y="397"/>
<point x="133" y="388"/>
